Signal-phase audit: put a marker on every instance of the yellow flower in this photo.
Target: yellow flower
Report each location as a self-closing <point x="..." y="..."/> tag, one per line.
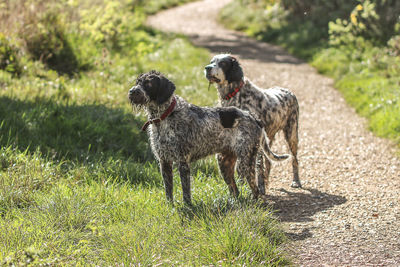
<point x="359" y="7"/>
<point x="353" y="18"/>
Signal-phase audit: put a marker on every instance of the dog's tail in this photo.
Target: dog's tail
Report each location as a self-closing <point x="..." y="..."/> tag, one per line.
<point x="267" y="150"/>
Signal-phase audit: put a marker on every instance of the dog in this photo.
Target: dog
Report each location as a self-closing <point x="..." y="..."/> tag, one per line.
<point x="181" y="133"/>
<point x="276" y="107"/>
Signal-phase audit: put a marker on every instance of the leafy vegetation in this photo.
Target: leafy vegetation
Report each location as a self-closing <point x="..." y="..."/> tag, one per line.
<point x="78" y="183"/>
<point x="355" y="42"/>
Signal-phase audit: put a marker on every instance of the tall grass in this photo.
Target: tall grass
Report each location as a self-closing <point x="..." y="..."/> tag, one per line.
<point x="78" y="183"/>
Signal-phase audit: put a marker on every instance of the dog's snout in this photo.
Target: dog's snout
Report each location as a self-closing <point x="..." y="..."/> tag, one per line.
<point x="208" y="67"/>
<point x="136" y="95"/>
<point x="134" y="91"/>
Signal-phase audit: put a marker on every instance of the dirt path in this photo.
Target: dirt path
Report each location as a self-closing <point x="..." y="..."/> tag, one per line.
<point x="348" y="213"/>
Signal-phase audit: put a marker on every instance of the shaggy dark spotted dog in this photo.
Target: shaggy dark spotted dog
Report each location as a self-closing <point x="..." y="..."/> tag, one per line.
<point x="276" y="107"/>
<point x="180" y="133"/>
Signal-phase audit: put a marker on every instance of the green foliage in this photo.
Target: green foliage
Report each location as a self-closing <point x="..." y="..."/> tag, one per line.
<point x="152" y="6"/>
<point x="110" y="24"/>
<point x="394" y="45"/>
<point x="362" y="25"/>
<point x="319" y="12"/>
<point x="8" y="56"/>
<point x="259" y="16"/>
<point x="45" y="37"/>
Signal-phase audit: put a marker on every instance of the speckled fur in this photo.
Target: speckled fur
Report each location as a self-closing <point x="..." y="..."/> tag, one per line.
<point x="191" y="132"/>
<point x="276" y="107"/>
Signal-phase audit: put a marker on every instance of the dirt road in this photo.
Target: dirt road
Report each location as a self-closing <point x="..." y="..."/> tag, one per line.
<point x="348" y="212"/>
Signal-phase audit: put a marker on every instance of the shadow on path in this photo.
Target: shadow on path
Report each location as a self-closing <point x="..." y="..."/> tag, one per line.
<point x="301" y="206"/>
<point x="245" y="48"/>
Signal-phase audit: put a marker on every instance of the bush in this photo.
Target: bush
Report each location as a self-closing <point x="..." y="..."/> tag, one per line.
<point x="44" y="35"/>
<point x="394" y="45"/>
<point x="8" y="56"/>
<point x="361" y="26"/>
<point x="319" y="12"/>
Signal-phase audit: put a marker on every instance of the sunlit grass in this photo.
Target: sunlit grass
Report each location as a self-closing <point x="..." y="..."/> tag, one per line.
<point x="88" y="215"/>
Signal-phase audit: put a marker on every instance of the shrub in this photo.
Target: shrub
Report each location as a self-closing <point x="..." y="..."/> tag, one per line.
<point x="394" y="45"/>
<point x="44" y="34"/>
<point x="370" y="20"/>
<point x="8" y="56"/>
<point x="115" y="26"/>
<point x="361" y="26"/>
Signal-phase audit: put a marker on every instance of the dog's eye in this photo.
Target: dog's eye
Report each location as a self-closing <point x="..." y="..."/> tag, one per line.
<point x="222" y="64"/>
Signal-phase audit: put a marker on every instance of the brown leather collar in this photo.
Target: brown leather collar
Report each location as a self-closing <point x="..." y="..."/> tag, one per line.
<point x="163" y="116"/>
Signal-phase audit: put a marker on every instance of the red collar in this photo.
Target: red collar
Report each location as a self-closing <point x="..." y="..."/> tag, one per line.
<point x="235" y="91"/>
<point x="163" y="116"/>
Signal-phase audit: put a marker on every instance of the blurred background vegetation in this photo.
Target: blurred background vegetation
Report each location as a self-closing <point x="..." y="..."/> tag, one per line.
<point x="356" y="42"/>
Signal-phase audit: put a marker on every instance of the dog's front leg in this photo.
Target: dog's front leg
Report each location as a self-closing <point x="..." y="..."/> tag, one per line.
<point x="184" y="172"/>
<point x="166" y="171"/>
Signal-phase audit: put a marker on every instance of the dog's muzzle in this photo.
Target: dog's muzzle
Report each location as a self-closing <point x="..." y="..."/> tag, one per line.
<point x="136" y="96"/>
<point x="209" y="76"/>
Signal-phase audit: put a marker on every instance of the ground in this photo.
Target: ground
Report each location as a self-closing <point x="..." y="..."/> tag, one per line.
<point x="348" y="211"/>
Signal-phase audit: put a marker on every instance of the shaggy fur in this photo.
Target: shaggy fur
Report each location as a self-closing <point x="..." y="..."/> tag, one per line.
<point x="191" y="132"/>
<point x="276" y="107"/>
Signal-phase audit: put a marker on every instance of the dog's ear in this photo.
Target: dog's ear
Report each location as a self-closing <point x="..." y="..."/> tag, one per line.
<point x="166" y="90"/>
<point x="235" y="74"/>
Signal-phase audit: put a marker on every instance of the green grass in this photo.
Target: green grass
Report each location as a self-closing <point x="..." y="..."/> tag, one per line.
<point x="78" y="182"/>
<point x="367" y="75"/>
<point x="369" y="82"/>
<point x="53" y="212"/>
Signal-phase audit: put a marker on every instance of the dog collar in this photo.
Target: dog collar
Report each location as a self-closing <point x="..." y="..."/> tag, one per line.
<point x="163" y="116"/>
<point x="235" y="91"/>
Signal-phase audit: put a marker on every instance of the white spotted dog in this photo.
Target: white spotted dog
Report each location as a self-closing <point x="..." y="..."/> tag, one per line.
<point x="180" y="133"/>
<point x="276" y="107"/>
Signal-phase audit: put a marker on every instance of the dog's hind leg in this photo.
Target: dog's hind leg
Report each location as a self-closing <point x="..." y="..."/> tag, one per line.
<point x="263" y="169"/>
<point x="246" y="167"/>
<point x="291" y="136"/>
<point x="226" y="163"/>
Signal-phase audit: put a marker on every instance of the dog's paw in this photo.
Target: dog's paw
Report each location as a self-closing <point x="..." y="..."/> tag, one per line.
<point x="296" y="184"/>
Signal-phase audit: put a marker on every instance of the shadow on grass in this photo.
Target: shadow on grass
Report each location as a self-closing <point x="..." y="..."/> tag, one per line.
<point x="71" y="131"/>
<point x="219" y="207"/>
<point x="85" y="135"/>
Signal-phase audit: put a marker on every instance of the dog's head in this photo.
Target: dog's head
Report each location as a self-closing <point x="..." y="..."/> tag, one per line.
<point x="224" y="68"/>
<point x="151" y="87"/>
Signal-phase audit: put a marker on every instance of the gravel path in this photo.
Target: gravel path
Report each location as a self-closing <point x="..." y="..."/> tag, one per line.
<point x="348" y="213"/>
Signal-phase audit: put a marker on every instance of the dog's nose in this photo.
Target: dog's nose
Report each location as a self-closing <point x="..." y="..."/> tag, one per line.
<point x="134" y="90"/>
<point x="208" y="67"/>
